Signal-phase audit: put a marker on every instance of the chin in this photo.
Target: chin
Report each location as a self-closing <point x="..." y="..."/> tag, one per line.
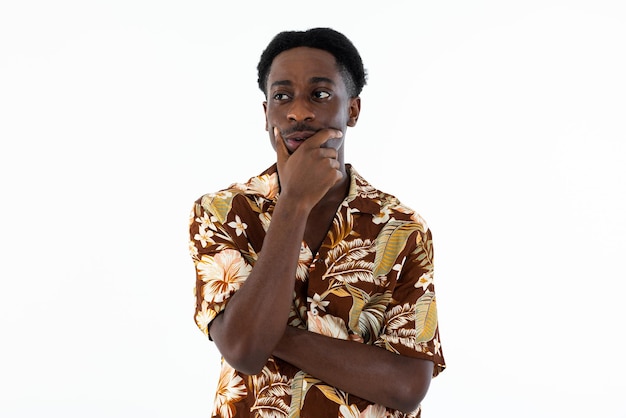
<point x="335" y="143"/>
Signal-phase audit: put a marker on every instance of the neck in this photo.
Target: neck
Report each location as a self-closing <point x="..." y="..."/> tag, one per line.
<point x="322" y="215"/>
<point x="338" y="192"/>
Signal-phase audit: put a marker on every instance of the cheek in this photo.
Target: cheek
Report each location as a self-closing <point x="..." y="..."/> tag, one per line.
<point x="270" y="123"/>
<point x="341" y="116"/>
<point x="273" y="141"/>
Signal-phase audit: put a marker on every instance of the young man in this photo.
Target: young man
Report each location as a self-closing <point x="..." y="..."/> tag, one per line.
<point x="315" y="287"/>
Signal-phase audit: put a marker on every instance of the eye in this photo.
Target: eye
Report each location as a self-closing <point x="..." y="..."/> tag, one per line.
<point x="321" y="94"/>
<point x="280" y="96"/>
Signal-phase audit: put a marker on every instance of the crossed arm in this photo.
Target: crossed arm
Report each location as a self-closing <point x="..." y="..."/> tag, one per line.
<point x="254" y="325"/>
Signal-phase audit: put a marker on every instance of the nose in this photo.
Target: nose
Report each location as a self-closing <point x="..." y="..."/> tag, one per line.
<point x="300" y="111"/>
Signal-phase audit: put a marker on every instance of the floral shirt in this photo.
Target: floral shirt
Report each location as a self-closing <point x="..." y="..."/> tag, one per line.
<point x="371" y="282"/>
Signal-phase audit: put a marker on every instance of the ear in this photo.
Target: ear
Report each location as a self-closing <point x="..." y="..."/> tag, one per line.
<point x="265" y="113"/>
<point x="354" y="110"/>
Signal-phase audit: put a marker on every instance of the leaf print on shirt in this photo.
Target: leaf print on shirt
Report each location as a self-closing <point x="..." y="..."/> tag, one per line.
<point x="300" y="385"/>
<point x="334" y="394"/>
<point x="425" y="317"/>
<point x="367" y="313"/>
<point x="390" y="243"/>
<point x="346" y="262"/>
<point x="399" y="327"/>
<point x="218" y="204"/>
<point x="328" y="325"/>
<point x="340" y="229"/>
<point x="270" y="388"/>
<point x="223" y="274"/>
<point x="230" y="389"/>
<point x="420" y="221"/>
<point x="424" y="252"/>
<point x="363" y="189"/>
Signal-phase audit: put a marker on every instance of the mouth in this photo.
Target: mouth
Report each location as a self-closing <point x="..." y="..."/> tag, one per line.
<point x="294" y="139"/>
<point x="299" y="136"/>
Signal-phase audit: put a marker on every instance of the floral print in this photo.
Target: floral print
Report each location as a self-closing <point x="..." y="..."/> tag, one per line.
<point x="371" y="282"/>
<point x="230" y="389"/>
<point x="222" y="274"/>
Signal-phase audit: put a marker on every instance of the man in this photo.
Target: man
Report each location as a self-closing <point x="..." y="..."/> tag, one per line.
<point x="315" y="287"/>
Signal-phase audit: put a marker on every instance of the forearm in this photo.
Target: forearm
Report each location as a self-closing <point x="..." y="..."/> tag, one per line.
<point x="256" y="316"/>
<point x="367" y="371"/>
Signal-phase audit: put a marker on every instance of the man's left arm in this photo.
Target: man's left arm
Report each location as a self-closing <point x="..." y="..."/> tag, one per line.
<point x="396" y="370"/>
<point x="367" y="371"/>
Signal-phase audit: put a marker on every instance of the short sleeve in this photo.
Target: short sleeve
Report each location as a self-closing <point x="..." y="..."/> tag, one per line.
<point x="220" y="252"/>
<point x="411" y="323"/>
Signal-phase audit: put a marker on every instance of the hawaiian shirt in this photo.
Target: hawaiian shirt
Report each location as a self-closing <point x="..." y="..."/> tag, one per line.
<point x="371" y="282"/>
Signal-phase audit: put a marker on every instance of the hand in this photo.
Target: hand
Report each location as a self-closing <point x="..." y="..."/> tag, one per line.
<point x="311" y="171"/>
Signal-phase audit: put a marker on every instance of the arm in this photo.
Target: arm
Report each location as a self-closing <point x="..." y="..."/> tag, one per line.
<point x="367" y="371"/>
<point x="255" y="319"/>
<point x="396" y="378"/>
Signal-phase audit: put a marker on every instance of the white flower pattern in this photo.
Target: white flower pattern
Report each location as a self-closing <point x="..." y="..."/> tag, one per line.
<point x="239" y="226"/>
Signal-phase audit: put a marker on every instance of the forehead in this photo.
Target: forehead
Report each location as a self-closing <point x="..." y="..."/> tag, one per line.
<point x="303" y="63"/>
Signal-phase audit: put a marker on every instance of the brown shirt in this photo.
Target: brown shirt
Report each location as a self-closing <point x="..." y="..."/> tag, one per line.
<point x="371" y="282"/>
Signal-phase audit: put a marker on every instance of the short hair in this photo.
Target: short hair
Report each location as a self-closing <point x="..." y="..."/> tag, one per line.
<point x="346" y="55"/>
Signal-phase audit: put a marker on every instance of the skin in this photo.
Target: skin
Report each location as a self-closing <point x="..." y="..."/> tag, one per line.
<point x="307" y="100"/>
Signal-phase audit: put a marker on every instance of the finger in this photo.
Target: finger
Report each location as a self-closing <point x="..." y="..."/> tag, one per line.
<point x="328" y="153"/>
<point x="321" y="137"/>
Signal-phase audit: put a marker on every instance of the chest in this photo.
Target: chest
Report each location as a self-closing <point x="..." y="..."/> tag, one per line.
<point x="344" y="293"/>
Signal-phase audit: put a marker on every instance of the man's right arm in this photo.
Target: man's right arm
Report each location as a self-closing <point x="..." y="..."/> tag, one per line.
<point x="253" y="323"/>
<point x="247" y="331"/>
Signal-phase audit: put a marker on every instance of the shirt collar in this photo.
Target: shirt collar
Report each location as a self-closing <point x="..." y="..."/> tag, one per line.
<point x="362" y="197"/>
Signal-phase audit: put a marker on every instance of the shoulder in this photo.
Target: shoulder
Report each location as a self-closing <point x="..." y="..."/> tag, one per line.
<point x="258" y="191"/>
<point x="383" y="206"/>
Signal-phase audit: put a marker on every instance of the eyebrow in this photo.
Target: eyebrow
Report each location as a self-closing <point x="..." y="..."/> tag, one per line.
<point x="312" y="80"/>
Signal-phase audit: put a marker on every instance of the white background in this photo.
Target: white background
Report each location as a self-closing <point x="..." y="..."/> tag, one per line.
<point x="502" y="123"/>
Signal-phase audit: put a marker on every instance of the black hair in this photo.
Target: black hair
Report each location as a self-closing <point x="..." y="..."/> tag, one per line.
<point x="345" y="53"/>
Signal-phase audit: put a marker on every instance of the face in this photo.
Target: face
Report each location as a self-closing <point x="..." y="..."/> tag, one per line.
<point x="306" y="93"/>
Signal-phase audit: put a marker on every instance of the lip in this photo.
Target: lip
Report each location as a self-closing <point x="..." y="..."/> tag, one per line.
<point x="294" y="136"/>
<point x="295" y="139"/>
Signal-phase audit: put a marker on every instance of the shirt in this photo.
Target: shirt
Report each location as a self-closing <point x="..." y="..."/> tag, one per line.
<point x="371" y="282"/>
